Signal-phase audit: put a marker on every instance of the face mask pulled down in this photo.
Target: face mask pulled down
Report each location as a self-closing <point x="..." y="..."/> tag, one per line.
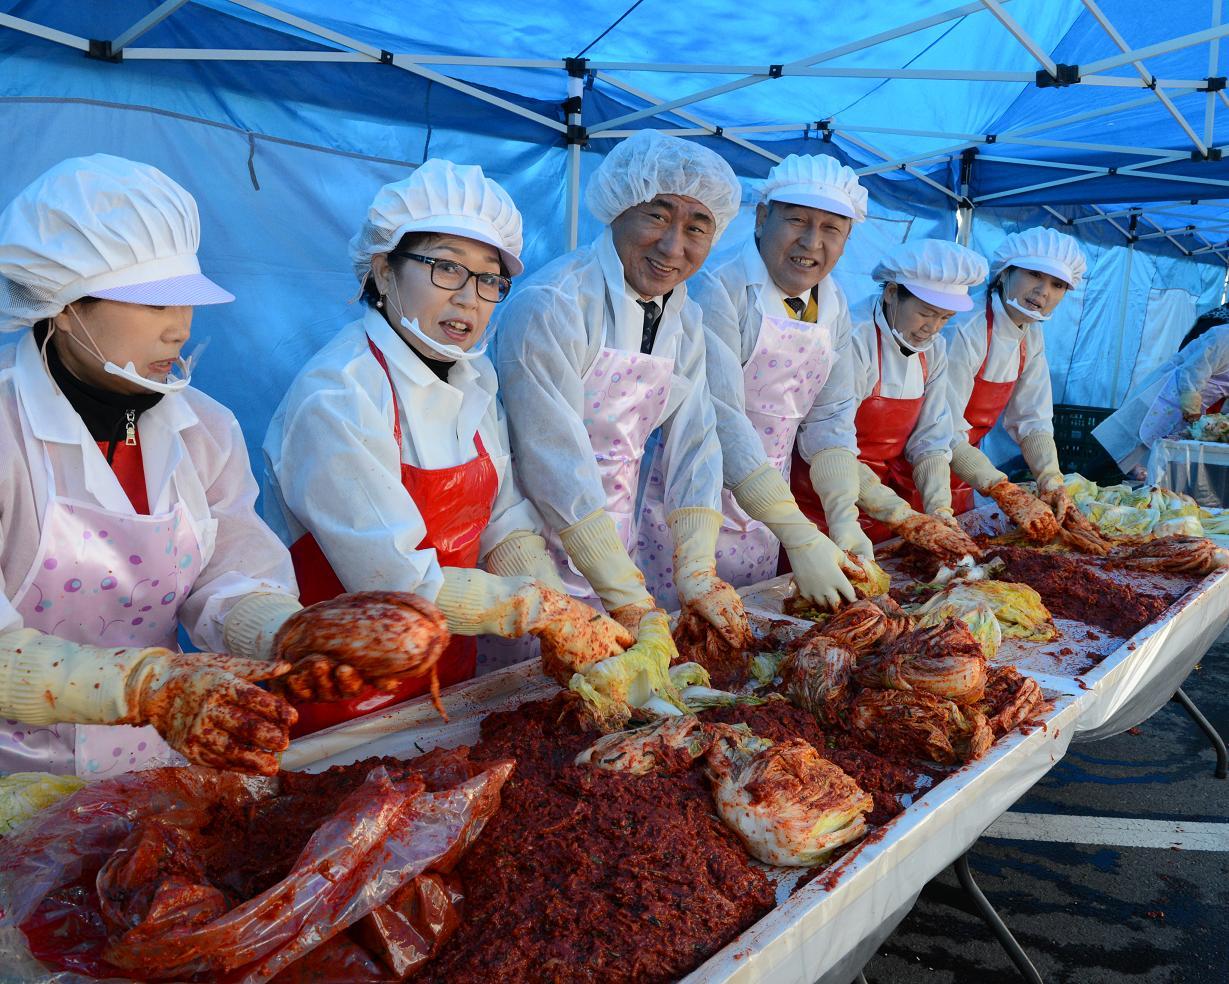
<point x="1027" y="313"/>
<point x="903" y="342"/>
<point x="172" y="384"/>
<point x="453" y="353"/>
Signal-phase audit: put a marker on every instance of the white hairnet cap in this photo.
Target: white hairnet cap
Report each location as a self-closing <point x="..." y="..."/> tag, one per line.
<point x="100" y="226"/>
<point x="938" y="272"/>
<point x="648" y="164"/>
<point x="1043" y="250"/>
<point x="817" y="181"/>
<point x="440" y="196"/>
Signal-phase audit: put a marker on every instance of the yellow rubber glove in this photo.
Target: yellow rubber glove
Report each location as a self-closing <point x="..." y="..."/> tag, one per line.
<point x="251" y="624"/>
<point x="1028" y="512"/>
<point x="975" y="468"/>
<point x="523" y="552"/>
<point x="834" y="476"/>
<point x="205" y="705"/>
<point x="817" y="562"/>
<point x="695" y="575"/>
<point x="478" y="603"/>
<point x="933" y="477"/>
<point x="927" y="532"/>
<point x="594" y="545"/>
<point x="1041" y="455"/>
<point x="1191" y="403"/>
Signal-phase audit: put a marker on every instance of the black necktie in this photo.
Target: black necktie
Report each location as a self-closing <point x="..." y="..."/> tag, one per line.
<point x="797" y="305"/>
<point x="652" y="315"/>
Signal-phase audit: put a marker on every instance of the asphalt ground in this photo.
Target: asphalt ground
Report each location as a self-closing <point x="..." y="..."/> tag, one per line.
<point x="1113" y="868"/>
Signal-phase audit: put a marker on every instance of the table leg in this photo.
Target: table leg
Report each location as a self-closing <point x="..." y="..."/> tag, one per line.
<point x="1218" y="743"/>
<point x="996" y="924"/>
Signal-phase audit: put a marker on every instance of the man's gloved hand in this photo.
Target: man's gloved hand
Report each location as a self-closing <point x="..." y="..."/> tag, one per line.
<point x="595" y="548"/>
<point x="834" y="475"/>
<point x="817" y="562"/>
<point x="936" y="537"/>
<point x="948" y="518"/>
<point x="1028" y="512"/>
<point x="207" y="707"/>
<point x="695" y="575"/>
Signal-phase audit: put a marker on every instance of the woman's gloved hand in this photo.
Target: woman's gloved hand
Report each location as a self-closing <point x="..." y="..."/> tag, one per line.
<point x="934" y="536"/>
<point x="1028" y="512"/>
<point x="208" y="708"/>
<point x="366" y="638"/>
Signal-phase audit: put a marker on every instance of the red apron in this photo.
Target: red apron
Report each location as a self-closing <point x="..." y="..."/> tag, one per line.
<point x="455" y="504"/>
<point x="986" y="403"/>
<point x="883" y="426"/>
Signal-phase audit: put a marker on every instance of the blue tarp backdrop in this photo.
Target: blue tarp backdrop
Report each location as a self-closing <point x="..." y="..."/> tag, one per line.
<point x="284" y="149"/>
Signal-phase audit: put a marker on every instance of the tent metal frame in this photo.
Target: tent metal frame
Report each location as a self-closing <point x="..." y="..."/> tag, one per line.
<point x="336" y="47"/>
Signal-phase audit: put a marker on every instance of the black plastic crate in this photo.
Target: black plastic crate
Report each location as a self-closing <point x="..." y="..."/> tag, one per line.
<point x="1078" y="450"/>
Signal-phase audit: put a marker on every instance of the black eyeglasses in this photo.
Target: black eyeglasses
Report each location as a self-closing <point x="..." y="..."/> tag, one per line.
<point x="451" y="275"/>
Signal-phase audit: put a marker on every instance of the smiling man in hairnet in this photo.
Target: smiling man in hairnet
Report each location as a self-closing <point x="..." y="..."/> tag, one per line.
<point x="778" y="328"/>
<point x="601" y="349"/>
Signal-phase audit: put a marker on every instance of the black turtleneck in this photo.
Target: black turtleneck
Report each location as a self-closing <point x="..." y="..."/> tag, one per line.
<point x="441" y="367"/>
<point x="104" y="412"/>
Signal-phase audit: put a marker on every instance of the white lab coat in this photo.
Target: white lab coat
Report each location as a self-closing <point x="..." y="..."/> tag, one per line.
<point x="333" y="468"/>
<point x="1202" y="367"/>
<point x="193" y="453"/>
<point x="902" y="378"/>
<point x="551" y="332"/>
<point x="732" y="296"/>
<point x="1031" y="407"/>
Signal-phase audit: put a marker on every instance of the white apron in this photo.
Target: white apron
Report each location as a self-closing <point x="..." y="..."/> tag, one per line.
<point x="102" y="578"/>
<point x="781" y="381"/>
<point x="626" y="394"/>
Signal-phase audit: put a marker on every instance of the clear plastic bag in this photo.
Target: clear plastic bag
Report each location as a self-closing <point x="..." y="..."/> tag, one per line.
<point x="384" y="834"/>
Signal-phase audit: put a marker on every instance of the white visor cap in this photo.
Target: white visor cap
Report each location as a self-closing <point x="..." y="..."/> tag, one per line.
<point x="817" y="181"/>
<point x="934" y="270"/>
<point x="1043" y="250"/>
<point x="100" y="226"/>
<point x="441" y="197"/>
<point x="649" y="164"/>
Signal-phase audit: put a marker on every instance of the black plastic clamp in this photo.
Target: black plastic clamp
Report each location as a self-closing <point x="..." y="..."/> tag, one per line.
<point x="100" y="50"/>
<point x="577" y="135"/>
<point x="1064" y="75"/>
<point x="386" y="57"/>
<point x="774" y="71"/>
<point x="1216" y="83"/>
<point x="1213" y="154"/>
<point x="576" y="67"/>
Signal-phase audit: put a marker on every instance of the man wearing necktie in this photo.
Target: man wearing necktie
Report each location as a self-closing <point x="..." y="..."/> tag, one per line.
<point x="602" y="349"/>
<point x="777" y="329"/>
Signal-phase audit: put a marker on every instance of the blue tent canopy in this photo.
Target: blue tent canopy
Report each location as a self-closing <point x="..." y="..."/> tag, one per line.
<point x="965" y="119"/>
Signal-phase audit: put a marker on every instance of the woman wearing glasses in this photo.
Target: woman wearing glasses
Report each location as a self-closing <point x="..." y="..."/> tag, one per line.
<point x="388" y="461"/>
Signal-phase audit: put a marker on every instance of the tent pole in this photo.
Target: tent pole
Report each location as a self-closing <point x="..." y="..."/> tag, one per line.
<point x="146" y="23"/>
<point x="1122" y="310"/>
<point x="1160" y="48"/>
<point x="46" y="33"/>
<point x="1021" y="35"/>
<point x="1144" y="74"/>
<point x="708" y="128"/>
<point x="869" y="42"/>
<point x="1209" y="106"/>
<point x="925" y="179"/>
<point x="576" y="137"/>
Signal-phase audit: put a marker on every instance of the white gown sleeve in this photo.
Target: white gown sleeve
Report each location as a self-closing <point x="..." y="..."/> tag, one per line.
<point x="543" y="352"/>
<point x="742" y="450"/>
<point x="1204" y="358"/>
<point x="932" y="434"/>
<point x="247" y="556"/>
<point x="964" y="358"/>
<point x="830" y="423"/>
<point x="511" y="511"/>
<point x="1031" y="407"/>
<point x="340" y="475"/>
<point x="691" y="453"/>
